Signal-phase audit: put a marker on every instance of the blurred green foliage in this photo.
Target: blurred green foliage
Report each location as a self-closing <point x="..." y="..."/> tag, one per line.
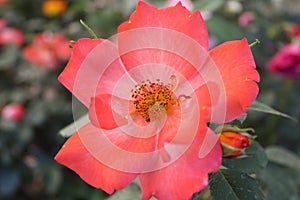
<point x="27" y="147"/>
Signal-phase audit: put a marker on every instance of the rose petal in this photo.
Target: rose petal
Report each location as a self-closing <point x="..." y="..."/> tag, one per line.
<point x="117" y="81"/>
<point x="176" y="18"/>
<point x="157" y="36"/>
<point x="90" y="60"/>
<point x="108" y="112"/>
<point x="182" y="123"/>
<point x="237" y="69"/>
<point x="184" y="177"/>
<point x="207" y="95"/>
<point x="75" y="156"/>
<point x="68" y="77"/>
<point x="118" y="149"/>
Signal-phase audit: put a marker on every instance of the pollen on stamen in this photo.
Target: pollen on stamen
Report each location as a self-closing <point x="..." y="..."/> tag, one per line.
<point x="153" y="99"/>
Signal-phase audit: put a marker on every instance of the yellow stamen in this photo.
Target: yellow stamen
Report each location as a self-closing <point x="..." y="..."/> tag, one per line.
<point x="154" y="99"/>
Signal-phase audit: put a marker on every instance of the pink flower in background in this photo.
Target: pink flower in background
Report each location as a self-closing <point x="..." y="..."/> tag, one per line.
<point x="246" y="19"/>
<point x="185" y="3"/>
<point x="14" y="112"/>
<point x="47" y="50"/>
<point x="286" y="61"/>
<point x="10" y="35"/>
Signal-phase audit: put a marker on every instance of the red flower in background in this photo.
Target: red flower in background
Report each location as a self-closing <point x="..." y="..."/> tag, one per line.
<point x="3" y="23"/>
<point x="150" y="97"/>
<point x="47" y="50"/>
<point x="286" y="61"/>
<point x="10" y="35"/>
<point x="296" y="30"/>
<point x="3" y="2"/>
<point x="13" y="112"/>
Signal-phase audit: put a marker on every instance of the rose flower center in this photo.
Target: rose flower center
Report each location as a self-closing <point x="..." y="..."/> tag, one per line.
<point x="154" y="99"/>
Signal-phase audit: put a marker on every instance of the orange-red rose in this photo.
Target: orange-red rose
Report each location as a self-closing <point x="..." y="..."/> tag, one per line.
<point x="151" y="92"/>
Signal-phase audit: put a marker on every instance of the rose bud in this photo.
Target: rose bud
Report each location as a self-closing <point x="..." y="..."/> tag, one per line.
<point x="233" y="143"/>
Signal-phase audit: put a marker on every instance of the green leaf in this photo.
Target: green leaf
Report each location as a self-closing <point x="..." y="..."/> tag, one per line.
<point x="234" y="185"/>
<point x="203" y="195"/>
<point x="253" y="161"/>
<point x="131" y="192"/>
<point x="208" y="5"/>
<point x="52" y="180"/>
<point x="261" y="107"/>
<point x="9" y="54"/>
<point x="283" y="157"/>
<point x="242" y="118"/>
<point x="280" y="182"/>
<point x="73" y="127"/>
<point x="223" y="29"/>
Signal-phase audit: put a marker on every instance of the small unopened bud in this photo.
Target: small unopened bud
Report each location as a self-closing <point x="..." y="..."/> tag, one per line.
<point x="233" y="143"/>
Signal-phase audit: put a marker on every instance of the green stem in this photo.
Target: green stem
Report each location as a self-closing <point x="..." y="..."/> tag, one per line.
<point x="254" y="43"/>
<point x="91" y="32"/>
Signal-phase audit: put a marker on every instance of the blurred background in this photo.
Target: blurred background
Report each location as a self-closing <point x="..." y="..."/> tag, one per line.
<point x="34" y="106"/>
